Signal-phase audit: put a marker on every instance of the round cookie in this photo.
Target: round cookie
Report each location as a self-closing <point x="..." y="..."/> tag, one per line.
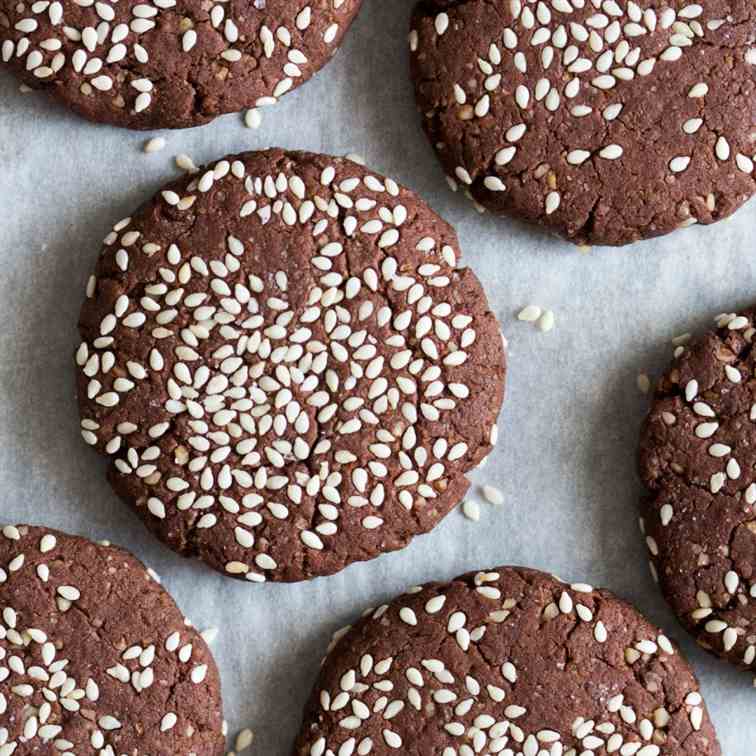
<point x="169" y="63"/>
<point x="604" y="121"/>
<point x="95" y="657"/>
<point x="285" y="367"/>
<point x="698" y="460"/>
<point x="511" y="661"/>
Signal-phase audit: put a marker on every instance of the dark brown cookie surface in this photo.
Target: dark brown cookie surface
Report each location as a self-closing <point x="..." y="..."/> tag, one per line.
<point x="285" y="366"/>
<point x="95" y="657"/>
<point x="605" y="122"/>
<point x="169" y="63"/>
<point x="510" y="661"/>
<point x="698" y="458"/>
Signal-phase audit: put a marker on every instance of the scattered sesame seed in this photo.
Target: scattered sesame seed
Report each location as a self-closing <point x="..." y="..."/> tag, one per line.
<point x="244" y="740"/>
<point x="154" y="145"/>
<point x="530" y="313"/>
<point x="210" y="635"/>
<point x="471" y="510"/>
<point x="185" y="163"/>
<point x="546" y="322"/>
<point x="493" y="495"/>
<point x="253" y="118"/>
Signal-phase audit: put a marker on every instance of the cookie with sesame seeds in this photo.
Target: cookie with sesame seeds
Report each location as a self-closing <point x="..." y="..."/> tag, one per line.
<point x="510" y="661"/>
<point x="95" y="657"/>
<point x="604" y="121"/>
<point x="698" y="460"/>
<point x="286" y="367"/>
<point x="149" y="64"/>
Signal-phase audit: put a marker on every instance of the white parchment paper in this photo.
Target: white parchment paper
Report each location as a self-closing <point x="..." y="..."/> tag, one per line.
<point x="566" y="455"/>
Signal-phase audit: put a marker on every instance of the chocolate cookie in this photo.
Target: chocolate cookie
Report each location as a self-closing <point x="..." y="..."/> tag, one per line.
<point x="605" y="121"/>
<point x="511" y="661"/>
<point x="95" y="657"/>
<point x="148" y="64"/>
<point x="286" y="367"/>
<point x="698" y="458"/>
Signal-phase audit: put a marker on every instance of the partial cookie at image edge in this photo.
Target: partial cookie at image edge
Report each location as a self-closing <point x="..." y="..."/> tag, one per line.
<point x="169" y="63"/>
<point x="98" y="655"/>
<point x="462" y="668"/>
<point x="697" y="460"/>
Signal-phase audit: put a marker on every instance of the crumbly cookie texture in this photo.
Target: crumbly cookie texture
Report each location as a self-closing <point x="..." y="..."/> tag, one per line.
<point x="606" y="121"/>
<point x="95" y="657"/>
<point x="510" y="661"/>
<point x="150" y="64"/>
<point x="286" y="367"/>
<point x="697" y="458"/>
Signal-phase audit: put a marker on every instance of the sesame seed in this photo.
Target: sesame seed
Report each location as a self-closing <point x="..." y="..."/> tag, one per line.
<point x="154" y="145"/>
<point x="471" y="510"/>
<point x="185" y="163"/>
<point x="553" y="200"/>
<point x="493" y="495"/>
<point x="600" y="633"/>
<point x="530" y="313"/>
<point x="494" y="184"/>
<point x="699" y="90"/>
<point x="578" y="157"/>
<point x="168" y="722"/>
<point x="722" y="149"/>
<point x="253" y="120"/>
<point x="244" y="740"/>
<point x="611" y="152"/>
<point x="546" y="322"/>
